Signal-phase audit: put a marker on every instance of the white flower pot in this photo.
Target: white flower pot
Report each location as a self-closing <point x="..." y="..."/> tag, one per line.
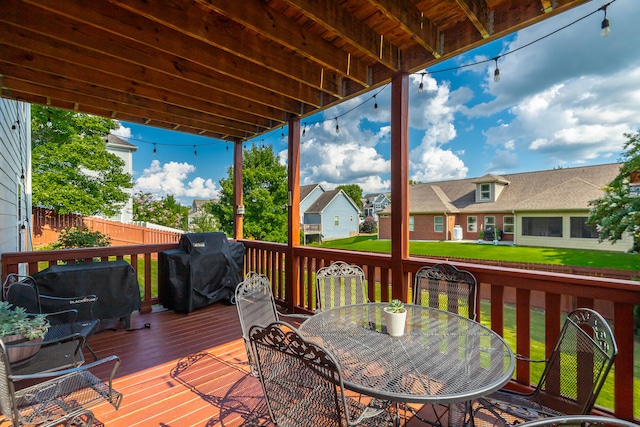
<point x="395" y="322"/>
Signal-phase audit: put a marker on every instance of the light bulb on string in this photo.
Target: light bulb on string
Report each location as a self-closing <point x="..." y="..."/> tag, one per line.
<point x="154" y="149"/>
<point x="605" y="30"/>
<point x="195" y="153"/>
<point x="421" y="87"/>
<point x="375" y="104"/>
<point x="304" y="130"/>
<point x="227" y="148"/>
<point x="496" y="73"/>
<point x="337" y="126"/>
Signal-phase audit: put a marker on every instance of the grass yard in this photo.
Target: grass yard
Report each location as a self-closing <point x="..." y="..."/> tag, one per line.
<point x="557" y="256"/>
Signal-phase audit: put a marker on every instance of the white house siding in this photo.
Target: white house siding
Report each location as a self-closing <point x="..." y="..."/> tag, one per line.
<point x="15" y="160"/>
<point x="126" y="154"/>
<point x="566" y="241"/>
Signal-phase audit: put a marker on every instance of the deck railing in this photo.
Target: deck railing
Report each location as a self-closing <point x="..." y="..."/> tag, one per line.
<point x="552" y="293"/>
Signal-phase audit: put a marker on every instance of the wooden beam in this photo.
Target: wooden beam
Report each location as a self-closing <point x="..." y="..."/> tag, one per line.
<point x="191" y="79"/>
<point x="164" y="40"/>
<point x="228" y="36"/>
<point x="262" y="19"/>
<point x="400" y="184"/>
<point x="412" y="21"/>
<point x="478" y="13"/>
<point x="332" y="15"/>
<point x="99" y="79"/>
<point x="68" y="91"/>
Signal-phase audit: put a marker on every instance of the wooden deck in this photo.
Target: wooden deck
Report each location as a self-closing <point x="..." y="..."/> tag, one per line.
<point x="180" y="371"/>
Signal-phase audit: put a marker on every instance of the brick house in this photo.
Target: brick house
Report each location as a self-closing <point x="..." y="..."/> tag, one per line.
<point x="543" y="208"/>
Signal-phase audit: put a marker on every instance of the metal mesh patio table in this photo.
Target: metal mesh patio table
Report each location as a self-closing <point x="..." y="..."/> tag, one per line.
<point x="441" y="358"/>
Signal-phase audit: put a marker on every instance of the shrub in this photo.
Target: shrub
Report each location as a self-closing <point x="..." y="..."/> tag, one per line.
<point x="369" y="225"/>
<point x="76" y="237"/>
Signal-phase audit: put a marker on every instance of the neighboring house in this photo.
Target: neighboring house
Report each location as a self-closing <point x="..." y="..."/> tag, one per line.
<point x="197" y="210"/>
<point x="124" y="150"/>
<point x="15" y="176"/>
<point x="308" y="195"/>
<point x="544" y="208"/>
<point x="334" y="214"/>
<point x="374" y="203"/>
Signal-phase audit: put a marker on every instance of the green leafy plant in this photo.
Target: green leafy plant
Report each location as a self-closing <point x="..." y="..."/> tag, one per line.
<point x="76" y="237"/>
<point x="395" y="306"/>
<point x="481" y="234"/>
<point x="15" y="320"/>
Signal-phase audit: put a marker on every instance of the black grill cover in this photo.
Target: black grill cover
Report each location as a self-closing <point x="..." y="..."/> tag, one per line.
<point x="114" y="283"/>
<point x="205" y="268"/>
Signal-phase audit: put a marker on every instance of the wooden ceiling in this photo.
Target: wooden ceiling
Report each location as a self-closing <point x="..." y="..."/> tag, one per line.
<point x="234" y="69"/>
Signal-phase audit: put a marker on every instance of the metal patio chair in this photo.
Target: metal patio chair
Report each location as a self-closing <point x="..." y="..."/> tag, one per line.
<point x="60" y="397"/>
<point x="68" y="316"/>
<point x="303" y="385"/>
<point x="256" y="306"/>
<point x="445" y="287"/>
<point x="570" y="383"/>
<point x="340" y="284"/>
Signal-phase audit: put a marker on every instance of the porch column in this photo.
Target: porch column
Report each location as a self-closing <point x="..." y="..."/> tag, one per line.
<point x="399" y="183"/>
<point x="292" y="261"/>
<point x="237" y="189"/>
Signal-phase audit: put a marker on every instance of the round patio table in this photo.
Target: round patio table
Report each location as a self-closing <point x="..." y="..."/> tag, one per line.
<point x="441" y="358"/>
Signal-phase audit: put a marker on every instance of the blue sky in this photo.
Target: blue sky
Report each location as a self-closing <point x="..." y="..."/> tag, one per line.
<point x="565" y="100"/>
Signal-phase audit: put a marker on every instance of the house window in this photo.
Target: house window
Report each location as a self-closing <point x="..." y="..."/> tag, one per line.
<point x="485" y="191"/>
<point x="508" y="224"/>
<point x="489" y="221"/>
<point x="581" y="230"/>
<point x="438" y="222"/>
<point x="336" y="220"/>
<point x="411" y="223"/>
<point x="542" y="226"/>
<point x="472" y="224"/>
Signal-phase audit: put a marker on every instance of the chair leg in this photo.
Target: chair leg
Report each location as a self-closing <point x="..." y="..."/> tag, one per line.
<point x="93" y="353"/>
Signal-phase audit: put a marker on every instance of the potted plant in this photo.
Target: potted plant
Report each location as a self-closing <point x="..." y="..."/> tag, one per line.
<point x="19" y="327"/>
<point x="480" y="236"/>
<point x="395" y="317"/>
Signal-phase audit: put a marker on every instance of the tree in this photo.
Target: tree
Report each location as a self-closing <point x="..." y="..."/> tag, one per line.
<point x="616" y="212"/>
<point x="72" y="170"/>
<point x="203" y="221"/>
<point x="354" y="192"/>
<point x="165" y="211"/>
<point x="265" y="196"/>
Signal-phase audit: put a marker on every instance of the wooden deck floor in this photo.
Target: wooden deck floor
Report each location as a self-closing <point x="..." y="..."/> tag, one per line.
<point x="182" y="371"/>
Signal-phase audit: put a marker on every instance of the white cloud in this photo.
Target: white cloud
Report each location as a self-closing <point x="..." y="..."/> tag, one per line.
<point x="172" y="179"/>
<point x="122" y="132"/>
<point x="569" y="97"/>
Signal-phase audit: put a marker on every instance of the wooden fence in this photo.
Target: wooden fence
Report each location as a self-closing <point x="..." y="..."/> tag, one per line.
<point x="47" y="225"/>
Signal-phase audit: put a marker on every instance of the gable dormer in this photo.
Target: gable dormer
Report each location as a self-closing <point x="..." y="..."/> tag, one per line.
<point x="489" y="187"/>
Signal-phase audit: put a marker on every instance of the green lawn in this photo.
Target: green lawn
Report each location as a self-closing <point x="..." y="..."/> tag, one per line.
<point x="488" y="251"/>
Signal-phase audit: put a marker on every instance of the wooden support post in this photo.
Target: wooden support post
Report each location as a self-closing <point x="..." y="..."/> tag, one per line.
<point x="399" y="184"/>
<point x="237" y="189"/>
<point x="292" y="261"/>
